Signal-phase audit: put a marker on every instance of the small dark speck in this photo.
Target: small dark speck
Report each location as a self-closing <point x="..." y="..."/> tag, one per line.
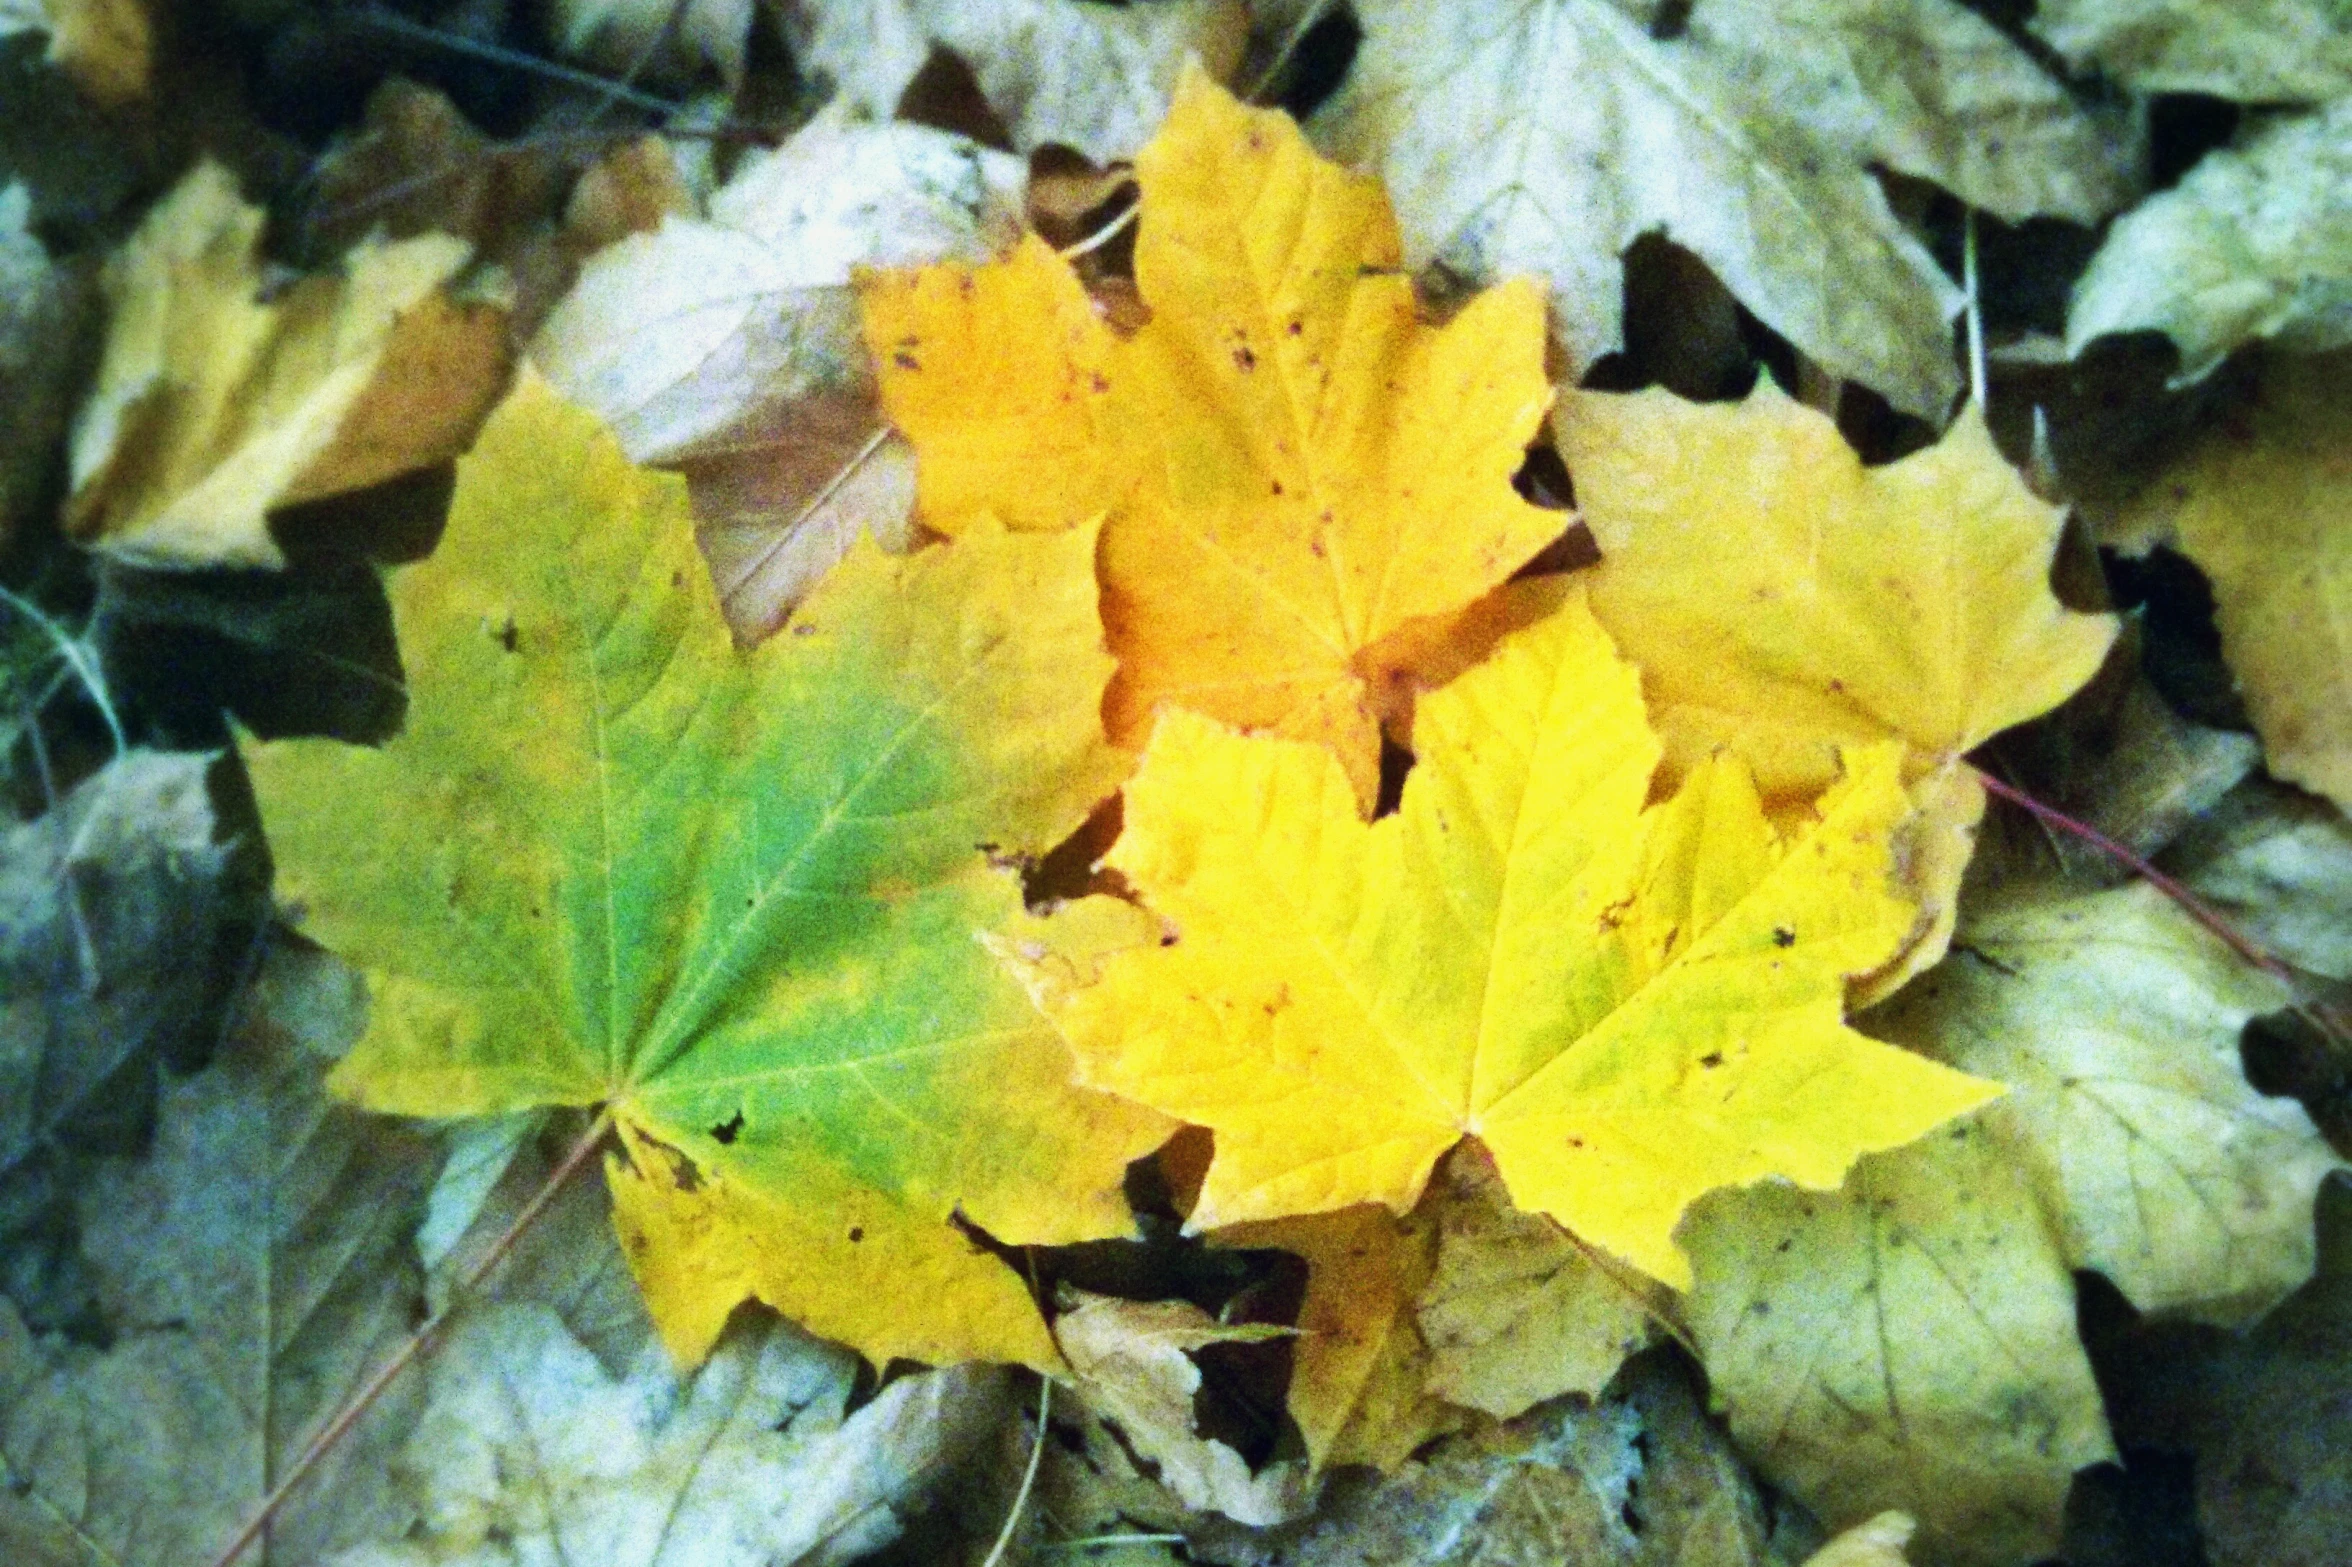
<point x="1277" y="486"/>
<point x="1712" y="1059"/>
<point x="730" y="1129"/>
<point x="804" y="629"/>
<point x="508" y="637"/>
<point x="904" y="360"/>
<point x="1168" y="941"/>
<point x="1782" y="936"/>
<point x="677" y="579"/>
<point x="1784" y="1246"/>
<point x="856" y="1233"/>
<point x="1295" y="328"/>
<point x="1244" y="360"/>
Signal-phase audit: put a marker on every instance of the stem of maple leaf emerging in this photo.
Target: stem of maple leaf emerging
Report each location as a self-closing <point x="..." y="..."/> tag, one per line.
<point x="419" y="1342"/>
<point x="1004" y="1536"/>
<point x="2192" y="905"/>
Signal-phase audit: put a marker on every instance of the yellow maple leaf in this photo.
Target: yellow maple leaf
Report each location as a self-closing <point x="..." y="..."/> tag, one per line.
<point x="2260" y="508"/>
<point x="1787" y="603"/>
<point x="1293" y="467"/>
<point x="1628" y="1006"/>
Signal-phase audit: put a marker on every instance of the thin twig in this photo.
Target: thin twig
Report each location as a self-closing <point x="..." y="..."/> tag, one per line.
<point x="419" y="1342"/>
<point x="1004" y="1536"/>
<point x="1104" y="235"/>
<point x="1969" y="282"/>
<point x="515" y="60"/>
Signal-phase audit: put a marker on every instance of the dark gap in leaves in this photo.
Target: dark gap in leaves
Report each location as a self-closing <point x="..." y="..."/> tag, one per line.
<point x="395" y="522"/>
<point x="2288" y="1053"/>
<point x="1573" y="550"/>
<point x="1775" y="354"/>
<point x="2182" y="128"/>
<point x="2025" y="271"/>
<point x="309" y="70"/>
<point x="2181" y="646"/>
<point x="1671" y="20"/>
<point x="1877" y="432"/>
<point x="863" y="1386"/>
<point x="306" y="651"/>
<point x="1319" y="63"/>
<point x="1395" y="763"/>
<point x="1243" y="1400"/>
<point x="1542" y="479"/>
<point x="2138" y="1512"/>
<point x="1683" y="330"/>
<point x="946" y="95"/>
<point x="1068" y="869"/>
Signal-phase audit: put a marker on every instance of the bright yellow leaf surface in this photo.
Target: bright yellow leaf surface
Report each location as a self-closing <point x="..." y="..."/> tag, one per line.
<point x="1787" y="603"/>
<point x="735" y="895"/>
<point x="1628" y="1006"/>
<point x="1292" y="467"/>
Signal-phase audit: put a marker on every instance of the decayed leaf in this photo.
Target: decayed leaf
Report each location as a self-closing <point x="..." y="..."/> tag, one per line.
<point x="1513" y="1312"/>
<point x="215" y="405"/>
<point x="252" y="1270"/>
<point x="2256" y="51"/>
<point x="730" y="348"/>
<point x="112" y="912"/>
<point x="732" y="895"/>
<point x="2255" y="244"/>
<point x="1627" y="1007"/>
<point x="2114" y="1019"/>
<point x="1095" y="78"/>
<point x="42" y="308"/>
<point x="1785" y="602"/>
<point x="529" y="1450"/>
<point x="1874" y="1542"/>
<point x="1294" y="468"/>
<point x="1359" y="1368"/>
<point x="2259" y="505"/>
<point x="1547" y="137"/>
<point x="2275" y="864"/>
<point x="1132" y="1362"/>
<point x="673" y="38"/>
<point x="105" y="47"/>
<point x="1906" y="1342"/>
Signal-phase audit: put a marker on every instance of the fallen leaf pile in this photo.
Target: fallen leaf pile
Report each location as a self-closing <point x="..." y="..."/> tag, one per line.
<point x="1299" y="855"/>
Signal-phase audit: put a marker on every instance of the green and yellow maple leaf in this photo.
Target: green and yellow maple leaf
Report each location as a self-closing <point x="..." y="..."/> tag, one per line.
<point x="1292" y="469"/>
<point x="733" y="895"/>
<point x="1628" y="1006"/>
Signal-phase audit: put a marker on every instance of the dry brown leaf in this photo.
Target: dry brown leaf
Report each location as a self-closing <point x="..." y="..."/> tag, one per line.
<point x="731" y="349"/>
<point x="1094" y="78"/>
<point x="2259" y="51"/>
<point x="219" y="400"/>
<point x="1547" y="137"/>
<point x="1132" y="1362"/>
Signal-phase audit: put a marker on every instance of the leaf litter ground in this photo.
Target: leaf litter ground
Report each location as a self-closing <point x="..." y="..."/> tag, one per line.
<point x="763" y="907"/>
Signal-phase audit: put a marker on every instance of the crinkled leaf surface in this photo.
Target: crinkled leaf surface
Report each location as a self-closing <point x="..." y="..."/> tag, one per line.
<point x="735" y="896"/>
<point x="1627" y="1007"/>
<point x="216" y="403"/>
<point x="2254" y="244"/>
<point x="2275" y="862"/>
<point x="251" y="1270"/>
<point x="2114" y="1019"/>
<point x="529" y="1450"/>
<point x="1784" y="601"/>
<point x="2260" y="505"/>
<point x="1908" y="1341"/>
<point x="1293" y="468"/>
<point x="1095" y="78"/>
<point x="1547" y="137"/>
<point x="2255" y="51"/>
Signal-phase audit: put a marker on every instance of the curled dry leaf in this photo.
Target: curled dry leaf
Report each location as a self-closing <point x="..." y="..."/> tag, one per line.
<point x="2114" y="1019"/>
<point x="1874" y="1542"/>
<point x="1786" y="603"/>
<point x="1094" y="78"/>
<point x="730" y="348"/>
<point x="2254" y="51"/>
<point x="1547" y="137"/>
<point x="1132" y="1362"/>
<point x="1908" y="1341"/>
<point x="528" y="1449"/>
<point x="2259" y="505"/>
<point x="2255" y="244"/>
<point x="219" y="400"/>
<point x="1628" y="1007"/>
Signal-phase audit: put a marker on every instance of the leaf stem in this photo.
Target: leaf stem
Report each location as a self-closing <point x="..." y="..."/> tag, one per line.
<point x="1004" y="1536"/>
<point x="419" y="1342"/>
